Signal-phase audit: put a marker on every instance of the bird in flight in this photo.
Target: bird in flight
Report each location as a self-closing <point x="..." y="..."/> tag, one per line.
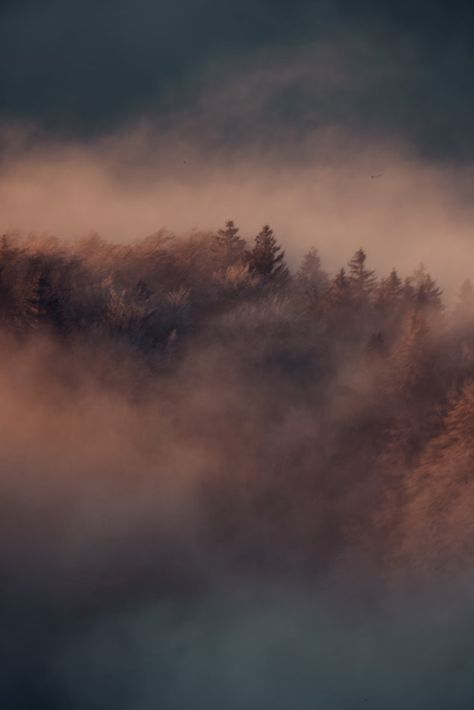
<point x="374" y="177"/>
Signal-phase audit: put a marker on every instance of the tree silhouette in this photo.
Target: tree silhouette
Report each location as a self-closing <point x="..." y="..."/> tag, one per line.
<point x="311" y="279"/>
<point x="356" y="378"/>
<point x="44" y="306"/>
<point x="340" y="293"/>
<point x="229" y="247"/>
<point x="362" y="280"/>
<point x="423" y="291"/>
<point x="389" y="291"/>
<point x="267" y="257"/>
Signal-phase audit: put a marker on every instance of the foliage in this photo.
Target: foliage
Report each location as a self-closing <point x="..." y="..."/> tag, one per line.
<point x="332" y="406"/>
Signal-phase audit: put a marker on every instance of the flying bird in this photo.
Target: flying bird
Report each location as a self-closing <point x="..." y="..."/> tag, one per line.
<point x="374" y="177"/>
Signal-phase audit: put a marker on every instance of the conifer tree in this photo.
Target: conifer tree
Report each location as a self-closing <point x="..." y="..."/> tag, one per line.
<point x="362" y="280"/>
<point x="414" y="389"/>
<point x="48" y="303"/>
<point x="311" y="278"/>
<point x="438" y="517"/>
<point x="459" y="424"/>
<point x="267" y="257"/>
<point x="229" y="247"/>
<point x="389" y="291"/>
<point x="389" y="303"/>
<point x="415" y="361"/>
<point x="339" y="293"/>
<point x="11" y="296"/>
<point x="423" y="291"/>
<point x="43" y="304"/>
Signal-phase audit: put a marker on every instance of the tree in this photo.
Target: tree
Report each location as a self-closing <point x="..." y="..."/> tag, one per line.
<point x="459" y="423"/>
<point x="311" y="279"/>
<point x="44" y="303"/>
<point x="339" y="293"/>
<point x="412" y="357"/>
<point x="362" y="280"/>
<point x="267" y="257"/>
<point x="390" y="305"/>
<point x="423" y="291"/>
<point x="389" y="292"/>
<point x="415" y="388"/>
<point x="229" y="247"/>
<point x="9" y="309"/>
<point x="438" y="516"/>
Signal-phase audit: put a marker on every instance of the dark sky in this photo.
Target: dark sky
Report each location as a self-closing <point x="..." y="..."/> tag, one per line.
<point x="85" y="67"/>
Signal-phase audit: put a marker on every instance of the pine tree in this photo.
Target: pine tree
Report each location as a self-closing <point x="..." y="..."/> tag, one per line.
<point x="229" y="247"/>
<point x="390" y="305"/>
<point x="412" y="355"/>
<point x="389" y="291"/>
<point x="361" y="279"/>
<point x="423" y="291"/>
<point x="43" y="306"/>
<point x="267" y="257"/>
<point x="311" y="279"/>
<point x="459" y="423"/>
<point x="7" y="300"/>
<point x="438" y="517"/>
<point x="339" y="293"/>
<point x="414" y="388"/>
<point x="462" y="342"/>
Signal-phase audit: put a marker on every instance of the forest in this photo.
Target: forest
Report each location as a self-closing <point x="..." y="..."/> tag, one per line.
<point x="185" y="413"/>
<point x="335" y="405"/>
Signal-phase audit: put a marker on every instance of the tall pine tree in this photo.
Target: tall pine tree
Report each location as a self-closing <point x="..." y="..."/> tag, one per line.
<point x="267" y="257"/>
<point x="362" y="280"/>
<point x="311" y="279"/>
<point x="229" y="247"/>
<point x="339" y="293"/>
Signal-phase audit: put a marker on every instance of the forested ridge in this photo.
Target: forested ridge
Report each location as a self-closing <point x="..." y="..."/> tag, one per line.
<point x="330" y="411"/>
<point x="215" y="469"/>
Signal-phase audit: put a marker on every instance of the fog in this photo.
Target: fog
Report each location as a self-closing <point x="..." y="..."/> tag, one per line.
<point x="401" y="210"/>
<point x="222" y="485"/>
<point x="236" y="466"/>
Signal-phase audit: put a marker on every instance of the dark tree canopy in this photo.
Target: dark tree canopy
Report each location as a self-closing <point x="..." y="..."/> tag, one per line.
<point x="361" y="279"/>
<point x="252" y="426"/>
<point x="267" y="257"/>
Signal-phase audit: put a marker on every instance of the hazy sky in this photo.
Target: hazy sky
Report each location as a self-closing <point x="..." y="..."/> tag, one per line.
<point x="124" y="118"/>
<point x="404" y="67"/>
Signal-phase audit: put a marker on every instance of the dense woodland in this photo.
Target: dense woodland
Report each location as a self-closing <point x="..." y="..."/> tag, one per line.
<point x="332" y="412"/>
<point x="186" y="424"/>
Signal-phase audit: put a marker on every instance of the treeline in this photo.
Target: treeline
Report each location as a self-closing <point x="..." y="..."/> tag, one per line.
<point x="338" y="409"/>
<point x="151" y="289"/>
